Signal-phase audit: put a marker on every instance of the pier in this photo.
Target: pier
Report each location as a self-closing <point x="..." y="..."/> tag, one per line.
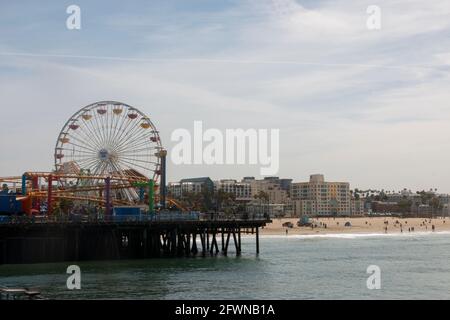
<point x="24" y="240"/>
<point x="106" y="199"/>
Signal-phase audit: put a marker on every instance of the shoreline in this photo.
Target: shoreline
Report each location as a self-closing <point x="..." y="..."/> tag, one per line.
<point x="360" y="226"/>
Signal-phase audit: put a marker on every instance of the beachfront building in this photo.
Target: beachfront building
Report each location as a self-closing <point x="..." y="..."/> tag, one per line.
<point x="297" y="208"/>
<point x="241" y="190"/>
<point x="275" y="188"/>
<point x="406" y="202"/>
<point x="384" y="207"/>
<point x="357" y="207"/>
<point x="245" y="190"/>
<point x="319" y="197"/>
<point x="271" y="210"/>
<point x="191" y="185"/>
<point x="249" y="188"/>
<point x="254" y="192"/>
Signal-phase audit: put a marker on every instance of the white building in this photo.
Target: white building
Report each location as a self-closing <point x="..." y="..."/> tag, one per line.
<point x="241" y="190"/>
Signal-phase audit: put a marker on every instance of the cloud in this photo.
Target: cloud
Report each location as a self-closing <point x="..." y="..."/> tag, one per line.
<point x="368" y="107"/>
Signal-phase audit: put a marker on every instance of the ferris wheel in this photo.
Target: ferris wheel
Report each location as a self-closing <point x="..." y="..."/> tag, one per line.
<point x="109" y="139"/>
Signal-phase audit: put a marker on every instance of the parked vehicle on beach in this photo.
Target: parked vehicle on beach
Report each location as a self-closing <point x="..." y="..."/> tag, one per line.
<point x="288" y="224"/>
<point x="304" y="222"/>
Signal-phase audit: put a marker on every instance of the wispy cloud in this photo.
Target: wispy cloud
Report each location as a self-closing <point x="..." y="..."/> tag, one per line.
<point x="366" y="106"/>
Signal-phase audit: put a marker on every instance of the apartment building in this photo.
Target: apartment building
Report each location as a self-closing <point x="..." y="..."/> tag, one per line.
<point x="192" y="185"/>
<point x="273" y="187"/>
<point x="241" y="190"/>
<point x="319" y="197"/>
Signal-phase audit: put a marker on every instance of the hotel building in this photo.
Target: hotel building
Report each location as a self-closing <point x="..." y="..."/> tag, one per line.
<point x="319" y="197"/>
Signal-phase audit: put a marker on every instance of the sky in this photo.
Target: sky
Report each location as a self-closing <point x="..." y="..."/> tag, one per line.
<point x="371" y="107"/>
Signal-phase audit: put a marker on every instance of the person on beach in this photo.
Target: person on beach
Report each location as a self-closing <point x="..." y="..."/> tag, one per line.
<point x="385" y="229"/>
<point x="432" y="227"/>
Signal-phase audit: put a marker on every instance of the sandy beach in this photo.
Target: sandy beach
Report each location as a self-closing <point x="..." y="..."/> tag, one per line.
<point x="362" y="225"/>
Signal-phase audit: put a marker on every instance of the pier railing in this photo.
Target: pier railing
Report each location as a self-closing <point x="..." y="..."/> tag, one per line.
<point x="143" y="218"/>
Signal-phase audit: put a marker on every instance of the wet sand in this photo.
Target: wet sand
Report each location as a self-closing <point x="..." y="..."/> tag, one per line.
<point x="362" y="225"/>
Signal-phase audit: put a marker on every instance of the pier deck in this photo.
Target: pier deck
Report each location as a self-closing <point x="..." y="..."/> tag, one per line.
<point x="39" y="241"/>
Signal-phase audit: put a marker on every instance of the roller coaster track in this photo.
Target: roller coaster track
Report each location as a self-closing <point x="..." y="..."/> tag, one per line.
<point x="70" y="192"/>
<point x="76" y="198"/>
<point x="82" y="177"/>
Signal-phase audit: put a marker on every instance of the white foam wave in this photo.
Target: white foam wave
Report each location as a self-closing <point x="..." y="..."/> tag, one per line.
<point x="355" y="235"/>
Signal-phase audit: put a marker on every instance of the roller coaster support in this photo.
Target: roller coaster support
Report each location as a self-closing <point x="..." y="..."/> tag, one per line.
<point x="151" y="193"/>
<point x="162" y="185"/>
<point x="24" y="185"/>
<point x="108" y="195"/>
<point x="49" y="195"/>
<point x="151" y="196"/>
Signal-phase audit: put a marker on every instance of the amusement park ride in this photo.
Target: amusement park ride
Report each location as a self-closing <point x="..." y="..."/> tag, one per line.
<point x="106" y="199"/>
<point x="107" y="155"/>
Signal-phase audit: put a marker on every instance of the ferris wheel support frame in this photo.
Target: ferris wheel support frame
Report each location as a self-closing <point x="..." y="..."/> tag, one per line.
<point x="49" y="195"/>
<point x="162" y="185"/>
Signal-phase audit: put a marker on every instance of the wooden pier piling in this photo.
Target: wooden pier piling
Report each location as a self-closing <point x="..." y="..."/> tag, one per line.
<point x="257" y="240"/>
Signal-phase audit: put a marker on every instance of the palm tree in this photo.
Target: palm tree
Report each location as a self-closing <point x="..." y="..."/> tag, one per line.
<point x="405" y="206"/>
<point x="435" y="205"/>
<point x="224" y="199"/>
<point x="417" y="208"/>
<point x="192" y="200"/>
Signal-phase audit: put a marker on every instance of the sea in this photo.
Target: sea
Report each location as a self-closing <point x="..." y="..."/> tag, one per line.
<point x="410" y="265"/>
